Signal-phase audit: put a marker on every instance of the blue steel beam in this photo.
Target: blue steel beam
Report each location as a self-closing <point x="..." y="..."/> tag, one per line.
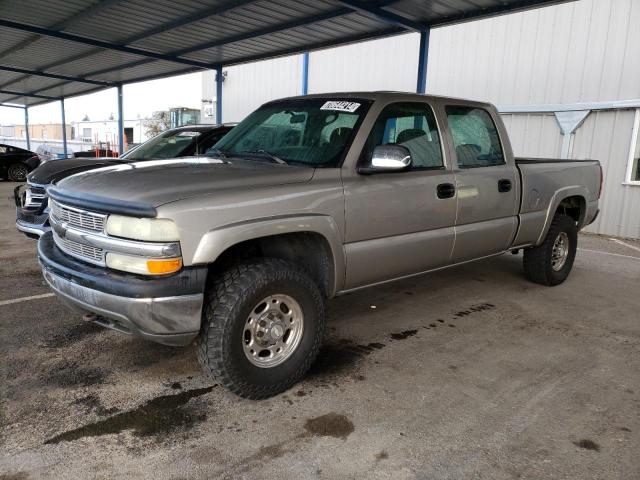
<point x="40" y="73"/>
<point x="423" y="61"/>
<point x="26" y="94"/>
<point x="64" y="128"/>
<point x="219" y="80"/>
<point x="9" y="105"/>
<point x="305" y="73"/>
<point x="502" y="9"/>
<point x="99" y="43"/>
<point x="383" y="16"/>
<point x="26" y="127"/>
<point x="120" y="121"/>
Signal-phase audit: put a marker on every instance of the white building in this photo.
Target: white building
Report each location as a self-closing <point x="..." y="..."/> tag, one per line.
<point x="573" y="66"/>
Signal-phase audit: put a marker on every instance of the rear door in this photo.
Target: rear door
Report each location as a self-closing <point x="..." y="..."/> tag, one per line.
<point x="397" y="223"/>
<point x="486" y="184"/>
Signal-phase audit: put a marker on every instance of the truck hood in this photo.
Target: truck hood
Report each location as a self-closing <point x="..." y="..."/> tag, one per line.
<point x="158" y="182"/>
<point x="54" y="170"/>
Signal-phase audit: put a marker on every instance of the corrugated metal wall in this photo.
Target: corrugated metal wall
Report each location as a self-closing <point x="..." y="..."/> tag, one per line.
<point x="584" y="51"/>
<point x="385" y="64"/>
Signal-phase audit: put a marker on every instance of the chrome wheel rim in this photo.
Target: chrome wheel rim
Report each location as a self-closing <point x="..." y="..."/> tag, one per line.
<point x="273" y="331"/>
<point x="560" y="251"/>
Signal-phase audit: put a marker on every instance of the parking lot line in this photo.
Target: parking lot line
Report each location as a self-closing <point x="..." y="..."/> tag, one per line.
<point x="620" y="242"/>
<point x="25" y="299"/>
<point x="608" y="253"/>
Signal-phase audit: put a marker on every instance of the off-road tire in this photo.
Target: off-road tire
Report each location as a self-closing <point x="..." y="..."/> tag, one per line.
<point x="537" y="261"/>
<point x="17" y="172"/>
<point x="229" y="300"/>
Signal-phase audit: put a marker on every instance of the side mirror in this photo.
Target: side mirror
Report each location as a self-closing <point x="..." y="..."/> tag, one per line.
<point x="386" y="159"/>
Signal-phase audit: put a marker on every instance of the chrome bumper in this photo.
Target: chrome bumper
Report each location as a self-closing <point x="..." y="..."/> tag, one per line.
<point x="167" y="320"/>
<point x="30" y="229"/>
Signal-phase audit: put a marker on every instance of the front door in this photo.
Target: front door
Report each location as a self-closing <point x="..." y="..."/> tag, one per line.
<point x="400" y="223"/>
<point x="486" y="185"/>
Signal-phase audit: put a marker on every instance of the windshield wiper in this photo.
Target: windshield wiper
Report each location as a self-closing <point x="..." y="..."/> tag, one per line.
<point x="266" y="154"/>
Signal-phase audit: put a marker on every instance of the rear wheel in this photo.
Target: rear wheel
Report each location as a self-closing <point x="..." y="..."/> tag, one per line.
<point x="263" y="324"/>
<point x="17" y="172"/>
<point x="550" y="263"/>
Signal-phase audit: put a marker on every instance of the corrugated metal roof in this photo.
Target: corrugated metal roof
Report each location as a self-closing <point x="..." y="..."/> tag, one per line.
<point x="63" y="42"/>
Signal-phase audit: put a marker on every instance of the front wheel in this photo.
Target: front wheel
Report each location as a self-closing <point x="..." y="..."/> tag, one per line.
<point x="550" y="263"/>
<point x="17" y="172"/>
<point x="263" y="323"/>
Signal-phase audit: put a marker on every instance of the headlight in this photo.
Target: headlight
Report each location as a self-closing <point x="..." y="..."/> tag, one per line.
<point x="145" y="229"/>
<point x="143" y="266"/>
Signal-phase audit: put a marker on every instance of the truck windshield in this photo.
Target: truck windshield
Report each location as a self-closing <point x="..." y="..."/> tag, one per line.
<point x="169" y="144"/>
<point x="314" y="132"/>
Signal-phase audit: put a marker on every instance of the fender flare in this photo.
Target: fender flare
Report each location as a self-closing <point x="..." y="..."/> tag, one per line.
<point x="216" y="241"/>
<point x="556" y="199"/>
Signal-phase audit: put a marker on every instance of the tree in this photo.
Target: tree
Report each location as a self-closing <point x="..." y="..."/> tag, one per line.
<point x="157" y="123"/>
<point x="85" y="118"/>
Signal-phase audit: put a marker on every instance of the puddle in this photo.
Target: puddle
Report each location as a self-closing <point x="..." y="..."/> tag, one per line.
<point x="330" y="425"/>
<point x="157" y="416"/>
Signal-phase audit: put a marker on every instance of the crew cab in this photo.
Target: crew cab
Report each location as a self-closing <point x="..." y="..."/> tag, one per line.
<point x="32" y="209"/>
<point x="307" y="198"/>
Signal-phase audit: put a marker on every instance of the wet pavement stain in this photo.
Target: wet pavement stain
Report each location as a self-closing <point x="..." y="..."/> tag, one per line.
<point x="72" y="334"/>
<point x="70" y="374"/>
<point x="157" y="416"/>
<point x="93" y="404"/>
<point x="587" y="444"/>
<point x="330" y="425"/>
<point x="403" y="335"/>
<point x="383" y="455"/>
<point x="339" y="357"/>
<point x="481" y="307"/>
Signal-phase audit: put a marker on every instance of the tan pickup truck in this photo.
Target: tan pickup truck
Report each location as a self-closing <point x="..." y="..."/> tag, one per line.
<point x="307" y="198"/>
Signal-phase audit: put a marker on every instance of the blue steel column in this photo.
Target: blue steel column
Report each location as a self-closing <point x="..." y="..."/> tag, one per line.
<point x="219" y="81"/>
<point x="305" y="73"/>
<point x="26" y="127"/>
<point x="423" y="61"/>
<point x="120" y="121"/>
<point x="64" y="128"/>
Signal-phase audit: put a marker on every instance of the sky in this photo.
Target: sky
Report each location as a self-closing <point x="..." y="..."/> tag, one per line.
<point x="140" y="99"/>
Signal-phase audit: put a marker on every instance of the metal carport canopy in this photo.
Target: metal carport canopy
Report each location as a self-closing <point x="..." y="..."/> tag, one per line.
<point x="54" y="49"/>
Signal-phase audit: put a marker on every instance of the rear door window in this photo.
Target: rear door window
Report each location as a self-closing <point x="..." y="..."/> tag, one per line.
<point x="475" y="137"/>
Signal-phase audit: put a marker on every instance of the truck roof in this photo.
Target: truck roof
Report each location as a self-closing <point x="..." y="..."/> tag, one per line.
<point x="386" y="95"/>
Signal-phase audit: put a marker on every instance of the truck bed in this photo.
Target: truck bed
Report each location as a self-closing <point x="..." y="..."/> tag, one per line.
<point x="544" y="181"/>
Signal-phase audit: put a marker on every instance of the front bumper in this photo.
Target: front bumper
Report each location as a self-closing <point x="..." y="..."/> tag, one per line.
<point x="166" y="310"/>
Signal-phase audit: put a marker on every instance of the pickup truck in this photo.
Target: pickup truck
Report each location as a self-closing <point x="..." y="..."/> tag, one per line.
<point x="307" y="198"/>
<point x="32" y="209"/>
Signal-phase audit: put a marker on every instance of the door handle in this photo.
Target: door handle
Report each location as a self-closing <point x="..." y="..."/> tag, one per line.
<point x="504" y="185"/>
<point x="446" y="190"/>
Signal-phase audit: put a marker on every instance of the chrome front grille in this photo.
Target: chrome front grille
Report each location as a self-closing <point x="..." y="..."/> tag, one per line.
<point x="78" y="218"/>
<point x="80" y="250"/>
<point x="34" y="197"/>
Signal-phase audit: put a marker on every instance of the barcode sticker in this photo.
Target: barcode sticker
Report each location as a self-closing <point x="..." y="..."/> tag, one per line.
<point x="340" y="106"/>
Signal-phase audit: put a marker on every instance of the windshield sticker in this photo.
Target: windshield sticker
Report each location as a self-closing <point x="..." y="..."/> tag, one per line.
<point x="340" y="106"/>
<point x="188" y="134"/>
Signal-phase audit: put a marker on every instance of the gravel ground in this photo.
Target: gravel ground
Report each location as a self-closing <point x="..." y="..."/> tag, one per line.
<point x="467" y="373"/>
